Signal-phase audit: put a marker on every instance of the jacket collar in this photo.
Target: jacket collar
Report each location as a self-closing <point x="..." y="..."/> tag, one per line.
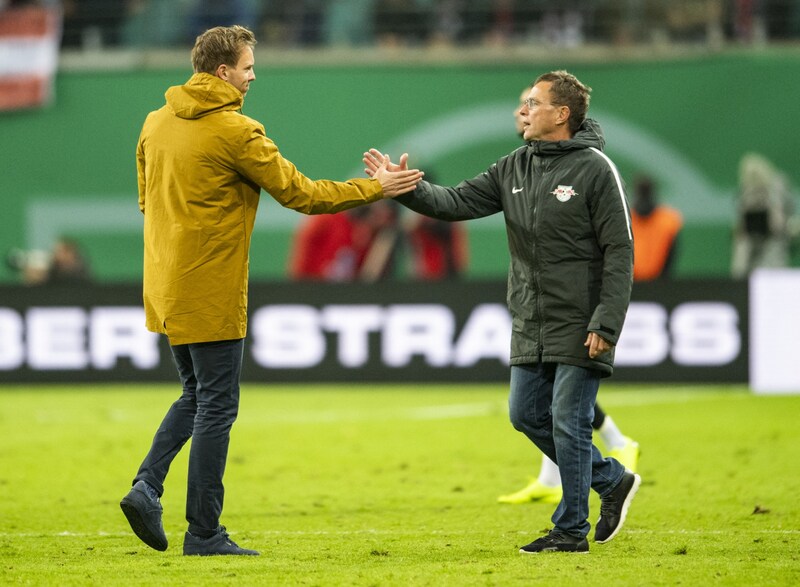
<point x="203" y="94"/>
<point x="589" y="135"/>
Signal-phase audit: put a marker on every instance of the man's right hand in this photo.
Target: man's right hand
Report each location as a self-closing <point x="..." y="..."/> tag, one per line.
<point x="373" y="159"/>
<point x="395" y="179"/>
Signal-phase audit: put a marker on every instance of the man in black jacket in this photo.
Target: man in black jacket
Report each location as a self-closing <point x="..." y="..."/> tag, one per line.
<point x="546" y="486"/>
<point x="570" y="278"/>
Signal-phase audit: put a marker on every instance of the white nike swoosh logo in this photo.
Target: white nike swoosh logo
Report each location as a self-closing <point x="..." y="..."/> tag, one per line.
<point x="516" y="190"/>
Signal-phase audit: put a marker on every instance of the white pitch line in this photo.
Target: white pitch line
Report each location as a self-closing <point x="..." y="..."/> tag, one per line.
<point x="463" y="410"/>
<point x="443" y="412"/>
<point x="664" y="395"/>
<point x="377" y="532"/>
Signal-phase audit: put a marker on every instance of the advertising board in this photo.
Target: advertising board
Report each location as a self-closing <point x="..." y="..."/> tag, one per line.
<point x="687" y="331"/>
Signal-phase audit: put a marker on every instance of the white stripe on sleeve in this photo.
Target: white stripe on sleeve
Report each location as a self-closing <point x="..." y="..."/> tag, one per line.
<point x="619" y="188"/>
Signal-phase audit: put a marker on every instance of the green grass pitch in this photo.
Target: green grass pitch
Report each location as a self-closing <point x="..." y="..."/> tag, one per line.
<point x="397" y="485"/>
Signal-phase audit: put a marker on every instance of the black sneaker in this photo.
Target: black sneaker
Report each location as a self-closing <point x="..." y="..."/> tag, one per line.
<point x="614" y="507"/>
<point x="144" y="516"/>
<point x="219" y="543"/>
<point x="556" y="541"/>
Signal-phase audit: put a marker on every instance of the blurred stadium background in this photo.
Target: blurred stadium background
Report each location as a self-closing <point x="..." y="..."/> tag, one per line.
<point x="684" y="89"/>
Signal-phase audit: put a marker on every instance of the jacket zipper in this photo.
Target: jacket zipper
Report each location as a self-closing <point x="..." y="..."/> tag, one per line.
<point x="536" y="272"/>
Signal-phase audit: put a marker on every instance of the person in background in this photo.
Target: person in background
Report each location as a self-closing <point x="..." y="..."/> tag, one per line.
<point x="93" y="24"/>
<point x="569" y="286"/>
<point x="379" y="241"/>
<point x="401" y="23"/>
<point x="69" y="264"/>
<point x="65" y="264"/>
<point x="201" y="165"/>
<point x="361" y="244"/>
<point x="764" y="227"/>
<point x="438" y="250"/>
<point x="656" y="228"/>
<point x="546" y="486"/>
<point x="323" y="249"/>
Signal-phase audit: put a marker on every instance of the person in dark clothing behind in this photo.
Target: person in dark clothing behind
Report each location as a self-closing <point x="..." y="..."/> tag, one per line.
<point x="69" y="265"/>
<point x="655" y="229"/>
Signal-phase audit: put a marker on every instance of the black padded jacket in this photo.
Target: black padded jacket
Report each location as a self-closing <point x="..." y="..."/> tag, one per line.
<point x="569" y="238"/>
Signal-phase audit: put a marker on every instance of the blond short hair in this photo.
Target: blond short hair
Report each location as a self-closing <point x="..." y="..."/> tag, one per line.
<point x="220" y="45"/>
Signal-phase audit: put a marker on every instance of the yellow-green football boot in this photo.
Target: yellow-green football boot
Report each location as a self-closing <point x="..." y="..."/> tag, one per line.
<point x="627" y="455"/>
<point x="535" y="491"/>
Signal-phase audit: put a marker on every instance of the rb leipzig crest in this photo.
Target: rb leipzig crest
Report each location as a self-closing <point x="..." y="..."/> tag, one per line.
<point x="563" y="193"/>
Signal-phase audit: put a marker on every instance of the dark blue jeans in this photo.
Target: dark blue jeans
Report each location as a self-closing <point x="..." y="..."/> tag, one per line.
<point x="553" y="405"/>
<point x="205" y="412"/>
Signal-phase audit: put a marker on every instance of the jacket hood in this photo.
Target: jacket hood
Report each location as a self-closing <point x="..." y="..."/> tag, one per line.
<point x="589" y="135"/>
<point x="202" y="95"/>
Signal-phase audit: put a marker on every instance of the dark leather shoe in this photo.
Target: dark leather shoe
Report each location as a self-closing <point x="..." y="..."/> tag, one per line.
<point x="556" y="541"/>
<point x="144" y="516"/>
<point x="219" y="543"/>
<point x="614" y="507"/>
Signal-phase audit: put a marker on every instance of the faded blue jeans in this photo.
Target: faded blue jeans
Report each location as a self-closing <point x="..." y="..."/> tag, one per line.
<point x="553" y="405"/>
<point x="205" y="412"/>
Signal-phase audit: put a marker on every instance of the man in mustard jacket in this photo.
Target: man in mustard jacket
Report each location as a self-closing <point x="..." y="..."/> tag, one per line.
<point x="201" y="167"/>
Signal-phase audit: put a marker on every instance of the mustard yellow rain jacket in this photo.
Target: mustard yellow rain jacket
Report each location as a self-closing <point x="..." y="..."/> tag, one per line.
<point x="201" y="166"/>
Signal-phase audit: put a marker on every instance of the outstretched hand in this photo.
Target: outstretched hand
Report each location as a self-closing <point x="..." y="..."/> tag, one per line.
<point x="374" y="158"/>
<point x="395" y="179"/>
